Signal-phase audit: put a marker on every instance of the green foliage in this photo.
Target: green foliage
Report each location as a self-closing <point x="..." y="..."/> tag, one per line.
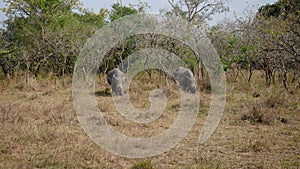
<point x="232" y="41"/>
<point x="281" y="38"/>
<point x="91" y="18"/>
<point x="280" y="8"/>
<point x="47" y="35"/>
<point x="191" y="62"/>
<point x="244" y="49"/>
<point x="267" y="41"/>
<point x="119" y="11"/>
<point x="235" y="52"/>
<point x="270" y="10"/>
<point x="228" y="56"/>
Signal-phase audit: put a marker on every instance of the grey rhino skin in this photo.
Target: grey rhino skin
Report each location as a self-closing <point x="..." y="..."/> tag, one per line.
<point x="116" y="80"/>
<point x="185" y="78"/>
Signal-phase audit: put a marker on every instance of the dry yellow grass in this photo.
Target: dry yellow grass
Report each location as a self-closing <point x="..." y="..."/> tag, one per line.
<point x="39" y="128"/>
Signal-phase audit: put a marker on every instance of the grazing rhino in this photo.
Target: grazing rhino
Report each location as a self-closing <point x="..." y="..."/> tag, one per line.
<point x="185" y="78"/>
<point x="116" y="80"/>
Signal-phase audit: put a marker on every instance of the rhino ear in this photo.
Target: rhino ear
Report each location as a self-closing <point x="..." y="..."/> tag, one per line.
<point x="189" y="78"/>
<point x="115" y="77"/>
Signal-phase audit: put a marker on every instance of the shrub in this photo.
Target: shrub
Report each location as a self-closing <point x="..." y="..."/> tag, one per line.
<point x="259" y="115"/>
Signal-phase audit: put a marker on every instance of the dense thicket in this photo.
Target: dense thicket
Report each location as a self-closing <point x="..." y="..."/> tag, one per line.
<point x="45" y="36"/>
<point x="267" y="40"/>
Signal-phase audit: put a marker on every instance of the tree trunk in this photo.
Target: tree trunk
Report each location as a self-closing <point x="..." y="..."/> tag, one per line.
<point x="200" y="73"/>
<point x="284" y="80"/>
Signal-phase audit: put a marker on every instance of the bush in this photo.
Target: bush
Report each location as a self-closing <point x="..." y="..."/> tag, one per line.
<point x="258" y="115"/>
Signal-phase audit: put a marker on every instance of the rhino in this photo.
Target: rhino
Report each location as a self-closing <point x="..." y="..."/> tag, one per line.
<point x="116" y="80"/>
<point x="185" y="78"/>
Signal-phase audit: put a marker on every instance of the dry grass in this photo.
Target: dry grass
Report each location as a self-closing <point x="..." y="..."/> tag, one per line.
<point x="39" y="128"/>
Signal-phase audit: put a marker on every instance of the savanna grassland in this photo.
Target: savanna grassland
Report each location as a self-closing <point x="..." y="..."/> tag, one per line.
<point x="41" y="41"/>
<point x="39" y="126"/>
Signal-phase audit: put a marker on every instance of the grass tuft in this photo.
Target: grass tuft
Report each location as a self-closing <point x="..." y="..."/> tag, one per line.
<point x="142" y="164"/>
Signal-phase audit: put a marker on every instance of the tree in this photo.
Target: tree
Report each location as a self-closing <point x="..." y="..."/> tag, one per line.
<point x="198" y="11"/>
<point x="47" y="34"/>
<point x="279" y="27"/>
<point x="267" y="41"/>
<point x="119" y="11"/>
<point x="124" y="48"/>
<point x="8" y="61"/>
<point x="279" y="9"/>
